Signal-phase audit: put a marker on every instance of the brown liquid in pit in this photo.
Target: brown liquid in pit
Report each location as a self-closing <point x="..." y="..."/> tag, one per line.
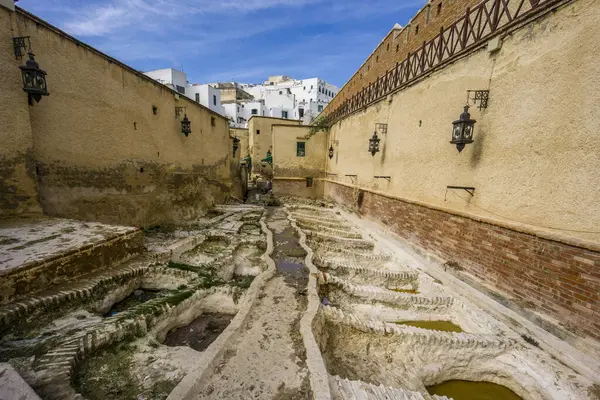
<point x="468" y="390"/>
<point x="444" y="326"/>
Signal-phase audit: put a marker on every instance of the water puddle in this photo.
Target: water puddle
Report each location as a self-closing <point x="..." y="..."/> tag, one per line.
<point x="201" y="332"/>
<point x="444" y="326"/>
<point x="468" y="390"/>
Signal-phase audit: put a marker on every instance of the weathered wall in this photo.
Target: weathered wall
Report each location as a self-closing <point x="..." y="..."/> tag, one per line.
<point x="101" y="152"/>
<point x="290" y="170"/>
<point x="260" y="143"/>
<point x="534" y="165"/>
<point x="18" y="186"/>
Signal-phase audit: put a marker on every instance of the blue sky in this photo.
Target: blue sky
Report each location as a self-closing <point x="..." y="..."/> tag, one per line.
<point x="224" y="40"/>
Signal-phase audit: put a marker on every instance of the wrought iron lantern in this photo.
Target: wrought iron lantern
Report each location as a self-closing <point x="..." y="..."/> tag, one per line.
<point x="34" y="79"/>
<point x="236" y="144"/>
<point x="462" y="132"/>
<point x="186" y="125"/>
<point x="330" y="152"/>
<point x="374" y="144"/>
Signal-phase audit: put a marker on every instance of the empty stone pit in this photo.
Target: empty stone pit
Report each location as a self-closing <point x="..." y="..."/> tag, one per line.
<point x="201" y="332"/>
<point x="247" y="259"/>
<point x="250" y="229"/>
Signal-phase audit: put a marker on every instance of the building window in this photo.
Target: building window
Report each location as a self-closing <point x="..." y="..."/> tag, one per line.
<point x="154" y="110"/>
<point x="180" y="89"/>
<point x="258" y="131"/>
<point x="197" y="97"/>
<point x="376" y="58"/>
<point x="214" y="99"/>
<point x="284" y="114"/>
<point x="280" y="92"/>
<point x="397" y="48"/>
<point x="254" y="111"/>
<point x="309" y="182"/>
<point x="439" y="9"/>
<point x="213" y="121"/>
<point x="301" y="112"/>
<point x="304" y="88"/>
<point x="417" y="30"/>
<point x="320" y="108"/>
<point x="300" y="149"/>
<point x="387" y="48"/>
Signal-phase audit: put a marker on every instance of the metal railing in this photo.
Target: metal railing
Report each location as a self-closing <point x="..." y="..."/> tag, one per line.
<point x="475" y="27"/>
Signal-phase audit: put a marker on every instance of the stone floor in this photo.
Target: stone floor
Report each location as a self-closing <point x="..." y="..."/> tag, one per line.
<point x="311" y="303"/>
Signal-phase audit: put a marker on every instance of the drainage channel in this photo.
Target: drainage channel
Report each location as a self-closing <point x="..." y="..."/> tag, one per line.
<point x="268" y="359"/>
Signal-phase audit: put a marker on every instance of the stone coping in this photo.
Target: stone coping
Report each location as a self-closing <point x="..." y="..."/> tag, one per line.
<point x="27" y="243"/>
<point x="518" y="227"/>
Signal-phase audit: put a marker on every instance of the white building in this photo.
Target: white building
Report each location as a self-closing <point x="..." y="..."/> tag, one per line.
<point x="293" y="98"/>
<point x="177" y="80"/>
<point x="240" y="111"/>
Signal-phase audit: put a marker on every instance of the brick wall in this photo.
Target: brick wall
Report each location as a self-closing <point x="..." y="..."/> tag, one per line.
<point x="554" y="278"/>
<point x="399" y="42"/>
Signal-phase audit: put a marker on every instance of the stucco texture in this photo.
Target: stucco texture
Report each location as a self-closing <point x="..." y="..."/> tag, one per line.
<point x="18" y="188"/>
<point x="290" y="170"/>
<point x="262" y="142"/>
<point x="101" y="151"/>
<point x="536" y="155"/>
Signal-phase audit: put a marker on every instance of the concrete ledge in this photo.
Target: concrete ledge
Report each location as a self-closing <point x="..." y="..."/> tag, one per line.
<point x="12" y="386"/>
<point x="55" y="269"/>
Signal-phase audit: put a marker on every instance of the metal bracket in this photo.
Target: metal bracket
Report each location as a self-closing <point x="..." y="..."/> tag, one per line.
<point x="329" y="173"/>
<point x="179" y="111"/>
<point x="352" y="177"/>
<point x="21" y="45"/>
<point x="387" y="178"/>
<point x="468" y="189"/>
<point x="481" y="96"/>
<point x="381" y="128"/>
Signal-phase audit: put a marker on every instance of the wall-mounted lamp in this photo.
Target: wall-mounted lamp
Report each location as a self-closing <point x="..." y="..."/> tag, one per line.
<point x="462" y="132"/>
<point x="330" y="152"/>
<point x="34" y="80"/>
<point x="374" y="144"/>
<point x="236" y="144"/>
<point x="186" y="124"/>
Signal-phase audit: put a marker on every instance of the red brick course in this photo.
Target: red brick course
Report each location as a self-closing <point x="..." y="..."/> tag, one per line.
<point x="554" y="278"/>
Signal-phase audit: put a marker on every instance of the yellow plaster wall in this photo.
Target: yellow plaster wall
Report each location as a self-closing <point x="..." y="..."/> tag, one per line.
<point x="536" y="156"/>
<point x="103" y="155"/>
<point x="18" y="187"/>
<point x="259" y="144"/>
<point x="241" y="134"/>
<point x="289" y="170"/>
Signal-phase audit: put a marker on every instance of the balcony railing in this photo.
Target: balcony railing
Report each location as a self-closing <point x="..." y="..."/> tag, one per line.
<point x="475" y="27"/>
